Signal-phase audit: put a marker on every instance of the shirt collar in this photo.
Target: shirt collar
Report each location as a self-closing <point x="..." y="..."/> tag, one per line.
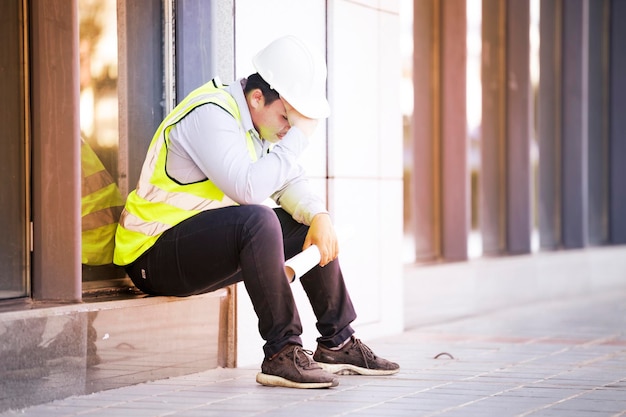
<point x="236" y="90"/>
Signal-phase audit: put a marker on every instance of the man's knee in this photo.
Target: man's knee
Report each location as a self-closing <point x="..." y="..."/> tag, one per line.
<point x="262" y="217"/>
<point x="261" y="212"/>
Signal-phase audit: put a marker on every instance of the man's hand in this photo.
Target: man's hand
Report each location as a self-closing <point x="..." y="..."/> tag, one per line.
<point x="322" y="234"/>
<point x="306" y="125"/>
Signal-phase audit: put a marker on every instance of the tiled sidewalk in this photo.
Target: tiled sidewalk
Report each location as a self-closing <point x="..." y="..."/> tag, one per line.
<point x="550" y="358"/>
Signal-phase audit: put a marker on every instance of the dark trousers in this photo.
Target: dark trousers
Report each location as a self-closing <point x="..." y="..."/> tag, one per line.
<point x="220" y="247"/>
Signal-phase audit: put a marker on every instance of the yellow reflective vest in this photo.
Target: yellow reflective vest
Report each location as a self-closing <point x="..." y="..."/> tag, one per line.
<point x="159" y="203"/>
<point x="101" y="204"/>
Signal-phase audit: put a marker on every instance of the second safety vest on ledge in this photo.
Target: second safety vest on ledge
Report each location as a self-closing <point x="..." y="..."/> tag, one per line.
<point x="101" y="205"/>
<point x="159" y="203"/>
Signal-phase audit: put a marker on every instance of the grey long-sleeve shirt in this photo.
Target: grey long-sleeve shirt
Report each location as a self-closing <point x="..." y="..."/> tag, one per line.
<point x="208" y="143"/>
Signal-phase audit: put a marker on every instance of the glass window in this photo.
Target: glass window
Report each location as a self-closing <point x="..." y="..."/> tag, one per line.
<point x="14" y="210"/>
<point x="101" y="198"/>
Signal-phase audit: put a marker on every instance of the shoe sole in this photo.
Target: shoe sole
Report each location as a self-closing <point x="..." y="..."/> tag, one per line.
<point x="347" y="369"/>
<point x="278" y="381"/>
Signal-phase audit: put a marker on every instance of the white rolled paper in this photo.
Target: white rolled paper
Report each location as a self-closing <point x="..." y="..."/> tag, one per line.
<point x="302" y="263"/>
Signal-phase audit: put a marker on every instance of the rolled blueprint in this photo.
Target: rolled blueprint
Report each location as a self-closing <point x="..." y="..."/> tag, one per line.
<point x="301" y="263"/>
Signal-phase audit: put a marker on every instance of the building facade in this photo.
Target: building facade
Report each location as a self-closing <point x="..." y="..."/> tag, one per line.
<point x="551" y="135"/>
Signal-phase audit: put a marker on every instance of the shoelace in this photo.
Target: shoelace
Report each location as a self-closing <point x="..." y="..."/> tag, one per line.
<point x="367" y="353"/>
<point x="302" y="358"/>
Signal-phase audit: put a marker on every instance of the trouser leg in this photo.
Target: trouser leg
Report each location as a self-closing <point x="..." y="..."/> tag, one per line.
<point x="217" y="248"/>
<point x="324" y="286"/>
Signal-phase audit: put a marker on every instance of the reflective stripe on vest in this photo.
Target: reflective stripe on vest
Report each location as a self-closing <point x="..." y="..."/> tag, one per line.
<point x="159" y="202"/>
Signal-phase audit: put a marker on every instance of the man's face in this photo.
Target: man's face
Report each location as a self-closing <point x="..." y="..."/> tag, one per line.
<point x="269" y="120"/>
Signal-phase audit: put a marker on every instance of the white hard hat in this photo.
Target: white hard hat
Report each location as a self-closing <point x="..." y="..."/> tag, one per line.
<point x="297" y="72"/>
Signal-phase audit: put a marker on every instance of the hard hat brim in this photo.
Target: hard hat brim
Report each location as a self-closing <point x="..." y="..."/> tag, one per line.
<point x="318" y="109"/>
<point x="297" y="72"/>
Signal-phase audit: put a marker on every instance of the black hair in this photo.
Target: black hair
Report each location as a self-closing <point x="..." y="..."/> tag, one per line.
<point x="255" y="81"/>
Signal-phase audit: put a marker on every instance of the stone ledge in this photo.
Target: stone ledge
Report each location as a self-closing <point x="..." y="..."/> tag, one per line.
<point x="50" y="351"/>
<point x="10" y="310"/>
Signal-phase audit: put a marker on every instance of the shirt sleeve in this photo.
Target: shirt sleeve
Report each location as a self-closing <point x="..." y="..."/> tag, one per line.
<point x="300" y="201"/>
<point x="215" y="143"/>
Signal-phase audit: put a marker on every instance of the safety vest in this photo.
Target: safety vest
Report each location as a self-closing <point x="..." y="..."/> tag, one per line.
<point x="101" y="205"/>
<point x="159" y="203"/>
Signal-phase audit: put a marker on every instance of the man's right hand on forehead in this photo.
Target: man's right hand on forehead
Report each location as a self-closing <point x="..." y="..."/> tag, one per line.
<point x="295" y="118"/>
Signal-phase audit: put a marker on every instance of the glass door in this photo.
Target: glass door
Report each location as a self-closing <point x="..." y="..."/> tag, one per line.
<point x="14" y="161"/>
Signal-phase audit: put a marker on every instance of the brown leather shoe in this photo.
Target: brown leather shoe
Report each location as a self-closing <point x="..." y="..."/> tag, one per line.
<point x="293" y="367"/>
<point x="353" y="358"/>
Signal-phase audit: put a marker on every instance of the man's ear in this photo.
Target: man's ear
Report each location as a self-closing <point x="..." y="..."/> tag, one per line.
<point x="256" y="98"/>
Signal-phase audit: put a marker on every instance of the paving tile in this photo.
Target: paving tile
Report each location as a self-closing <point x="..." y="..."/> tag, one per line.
<point x="208" y="412"/>
<point x="118" y="412"/>
<point x="590" y="405"/>
<point x="45" y="411"/>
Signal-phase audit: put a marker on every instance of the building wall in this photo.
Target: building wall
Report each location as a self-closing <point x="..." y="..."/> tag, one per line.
<point x="356" y="165"/>
<point x="366" y="195"/>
